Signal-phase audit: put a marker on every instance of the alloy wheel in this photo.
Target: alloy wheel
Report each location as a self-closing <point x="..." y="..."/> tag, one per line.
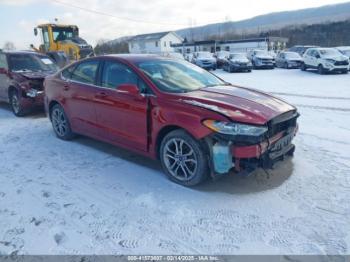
<point x="59" y="122"/>
<point x="180" y="159"/>
<point x="15" y="103"/>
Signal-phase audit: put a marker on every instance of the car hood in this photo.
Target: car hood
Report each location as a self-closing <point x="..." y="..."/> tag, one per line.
<point x="35" y="75"/>
<point x="238" y="103"/>
<point x="336" y="58"/>
<point x="202" y="59"/>
<point x="264" y="57"/>
<point x="239" y="60"/>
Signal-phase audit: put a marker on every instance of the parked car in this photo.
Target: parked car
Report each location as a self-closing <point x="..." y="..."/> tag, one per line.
<point x="301" y="49"/>
<point x="188" y="57"/>
<point x="261" y="59"/>
<point x="195" y="123"/>
<point x="174" y="55"/>
<point x="204" y="60"/>
<point x="221" y="58"/>
<point x="345" y="50"/>
<point x="21" y="79"/>
<point x="289" y="60"/>
<point x="237" y="62"/>
<point x="325" y="60"/>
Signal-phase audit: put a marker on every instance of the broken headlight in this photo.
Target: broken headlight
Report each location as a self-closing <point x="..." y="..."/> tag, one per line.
<point x="235" y="129"/>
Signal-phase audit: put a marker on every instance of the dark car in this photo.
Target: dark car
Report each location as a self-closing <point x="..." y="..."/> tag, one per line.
<point x="289" y="60"/>
<point x="168" y="109"/>
<point x="21" y="79"/>
<point x="237" y="62"/>
<point x="221" y="58"/>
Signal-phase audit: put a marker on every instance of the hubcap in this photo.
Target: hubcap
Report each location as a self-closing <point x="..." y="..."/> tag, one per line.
<point x="180" y="159"/>
<point x="15" y="103"/>
<point x="59" y="122"/>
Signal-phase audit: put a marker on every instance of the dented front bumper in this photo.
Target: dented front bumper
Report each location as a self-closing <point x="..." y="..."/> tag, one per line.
<point x="246" y="158"/>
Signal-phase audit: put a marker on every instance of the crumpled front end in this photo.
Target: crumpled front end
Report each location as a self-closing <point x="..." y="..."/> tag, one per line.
<point x="243" y="154"/>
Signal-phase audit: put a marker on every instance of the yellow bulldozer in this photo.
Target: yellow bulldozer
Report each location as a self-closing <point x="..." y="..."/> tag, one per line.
<point x="62" y="43"/>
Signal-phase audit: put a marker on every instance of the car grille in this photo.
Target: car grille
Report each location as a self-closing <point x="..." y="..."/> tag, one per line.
<point x="340" y="63"/>
<point x="37" y="85"/>
<point x="282" y="122"/>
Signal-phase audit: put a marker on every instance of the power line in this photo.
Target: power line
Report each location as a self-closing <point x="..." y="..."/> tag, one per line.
<point x="117" y="17"/>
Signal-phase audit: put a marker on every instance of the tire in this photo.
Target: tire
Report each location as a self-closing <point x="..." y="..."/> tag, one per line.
<point x="345" y="72"/>
<point x="320" y="70"/>
<point x="15" y="103"/>
<point x="249" y="70"/>
<point x="60" y="123"/>
<point x="303" y="67"/>
<point x="179" y="152"/>
<point x="285" y="65"/>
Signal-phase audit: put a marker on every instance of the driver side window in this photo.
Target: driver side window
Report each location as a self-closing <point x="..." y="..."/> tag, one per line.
<point x="115" y="74"/>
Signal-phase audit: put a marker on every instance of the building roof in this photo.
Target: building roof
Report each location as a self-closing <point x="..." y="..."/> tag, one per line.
<point x="152" y="36"/>
<point x="249" y="40"/>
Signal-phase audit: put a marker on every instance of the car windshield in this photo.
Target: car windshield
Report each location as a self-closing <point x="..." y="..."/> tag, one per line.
<point x="262" y="53"/>
<point x="205" y="55"/>
<point x="178" y="76"/>
<point x="346" y="52"/>
<point x="31" y="63"/>
<point x="329" y="52"/>
<point x="222" y="55"/>
<point x="292" y="55"/>
<point x="238" y="56"/>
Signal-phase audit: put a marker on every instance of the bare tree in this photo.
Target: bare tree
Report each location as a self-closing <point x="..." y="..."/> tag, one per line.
<point x="9" y="46"/>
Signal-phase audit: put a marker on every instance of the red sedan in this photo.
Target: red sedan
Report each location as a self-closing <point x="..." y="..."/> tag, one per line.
<point x="195" y="123"/>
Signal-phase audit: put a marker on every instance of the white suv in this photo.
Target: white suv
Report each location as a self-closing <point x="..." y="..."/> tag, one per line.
<point x="325" y="60"/>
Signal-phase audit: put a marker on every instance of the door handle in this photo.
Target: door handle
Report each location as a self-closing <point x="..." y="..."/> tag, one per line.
<point x="101" y="95"/>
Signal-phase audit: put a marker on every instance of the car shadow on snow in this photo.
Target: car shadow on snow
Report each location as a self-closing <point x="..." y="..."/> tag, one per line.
<point x="119" y="152"/>
<point x="258" y="181"/>
<point x="34" y="113"/>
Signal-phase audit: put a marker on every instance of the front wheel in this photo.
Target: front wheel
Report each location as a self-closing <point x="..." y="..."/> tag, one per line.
<point x="15" y="103"/>
<point x="60" y="123"/>
<point x="303" y="67"/>
<point x="321" y="70"/>
<point x="183" y="158"/>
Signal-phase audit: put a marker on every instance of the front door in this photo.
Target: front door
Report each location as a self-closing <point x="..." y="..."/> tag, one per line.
<point x="122" y="117"/>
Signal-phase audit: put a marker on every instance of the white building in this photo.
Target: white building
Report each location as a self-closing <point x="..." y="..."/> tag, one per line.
<point x="243" y="45"/>
<point x="154" y="43"/>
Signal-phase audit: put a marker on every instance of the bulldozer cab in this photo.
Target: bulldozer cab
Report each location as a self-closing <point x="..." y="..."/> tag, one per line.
<point x="63" y="38"/>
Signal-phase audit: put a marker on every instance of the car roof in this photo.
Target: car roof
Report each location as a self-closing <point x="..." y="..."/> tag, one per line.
<point x="24" y="52"/>
<point x="136" y="58"/>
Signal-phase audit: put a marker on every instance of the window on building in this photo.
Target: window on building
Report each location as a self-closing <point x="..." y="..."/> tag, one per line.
<point x="156" y="43"/>
<point x="164" y="43"/>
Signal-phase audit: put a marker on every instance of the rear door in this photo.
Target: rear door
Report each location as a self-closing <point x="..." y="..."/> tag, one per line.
<point x="79" y="97"/>
<point x="122" y="117"/>
<point x="4" y="78"/>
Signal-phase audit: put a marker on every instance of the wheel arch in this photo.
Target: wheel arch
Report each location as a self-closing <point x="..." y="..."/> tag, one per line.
<point x="51" y="105"/>
<point x="166" y="130"/>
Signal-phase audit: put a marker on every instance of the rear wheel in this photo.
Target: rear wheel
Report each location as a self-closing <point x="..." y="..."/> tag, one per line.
<point x="183" y="158"/>
<point x="15" y="102"/>
<point x="60" y="123"/>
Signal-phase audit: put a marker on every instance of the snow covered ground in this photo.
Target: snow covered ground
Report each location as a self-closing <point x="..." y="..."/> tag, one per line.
<point x="87" y="197"/>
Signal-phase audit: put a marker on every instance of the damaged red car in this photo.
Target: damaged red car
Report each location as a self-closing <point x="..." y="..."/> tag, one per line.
<point x="196" y="124"/>
<point x="22" y="75"/>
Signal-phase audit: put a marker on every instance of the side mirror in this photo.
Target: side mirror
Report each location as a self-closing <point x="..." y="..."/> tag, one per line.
<point x="131" y="89"/>
<point x="3" y="71"/>
<point x="35" y="31"/>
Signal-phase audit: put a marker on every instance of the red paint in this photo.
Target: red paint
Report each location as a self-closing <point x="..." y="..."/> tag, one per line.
<point x="135" y="121"/>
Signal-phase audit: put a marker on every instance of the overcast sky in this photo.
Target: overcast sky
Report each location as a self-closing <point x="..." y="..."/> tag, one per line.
<point x="19" y="17"/>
